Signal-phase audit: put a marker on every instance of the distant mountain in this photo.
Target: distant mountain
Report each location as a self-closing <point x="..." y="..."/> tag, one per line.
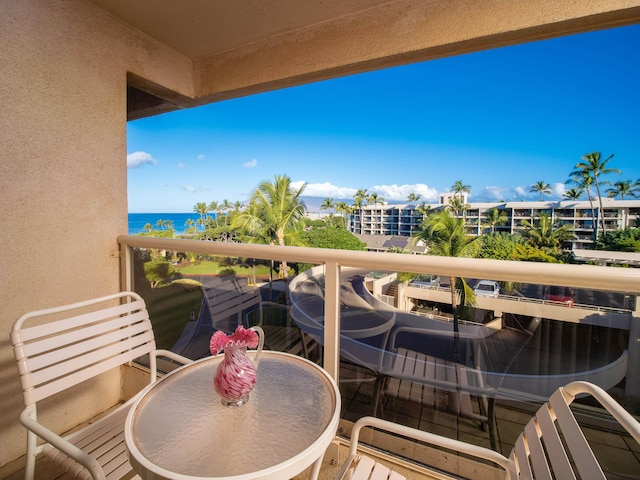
<point x="313" y="203"/>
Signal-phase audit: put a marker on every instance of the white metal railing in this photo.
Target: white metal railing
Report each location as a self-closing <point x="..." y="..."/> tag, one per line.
<point x="541" y="301"/>
<point x="602" y="278"/>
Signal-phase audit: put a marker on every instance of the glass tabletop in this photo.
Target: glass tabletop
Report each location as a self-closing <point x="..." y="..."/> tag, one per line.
<point x="181" y="426"/>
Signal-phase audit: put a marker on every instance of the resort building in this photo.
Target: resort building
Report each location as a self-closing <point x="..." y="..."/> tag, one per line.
<point x="581" y="216"/>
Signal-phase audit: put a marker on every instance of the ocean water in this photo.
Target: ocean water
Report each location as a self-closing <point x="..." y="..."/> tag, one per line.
<point x="137" y="221"/>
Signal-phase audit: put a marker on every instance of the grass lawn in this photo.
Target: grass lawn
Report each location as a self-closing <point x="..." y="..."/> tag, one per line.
<point x="213" y="268"/>
<point x="170" y="309"/>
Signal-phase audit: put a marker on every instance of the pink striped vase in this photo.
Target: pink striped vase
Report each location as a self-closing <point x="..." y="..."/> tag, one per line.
<point x="235" y="376"/>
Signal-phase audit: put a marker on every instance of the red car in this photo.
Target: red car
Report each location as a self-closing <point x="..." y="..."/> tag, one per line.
<point x="560" y="294"/>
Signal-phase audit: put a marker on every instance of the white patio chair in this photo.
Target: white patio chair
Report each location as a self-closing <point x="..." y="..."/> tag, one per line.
<point x="361" y="467"/>
<point x="552" y="444"/>
<point x="77" y="342"/>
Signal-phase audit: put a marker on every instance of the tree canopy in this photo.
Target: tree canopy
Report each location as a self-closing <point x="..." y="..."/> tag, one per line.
<point x="332" y="237"/>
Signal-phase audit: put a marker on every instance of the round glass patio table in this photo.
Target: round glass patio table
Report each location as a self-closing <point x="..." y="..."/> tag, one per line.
<point x="179" y="428"/>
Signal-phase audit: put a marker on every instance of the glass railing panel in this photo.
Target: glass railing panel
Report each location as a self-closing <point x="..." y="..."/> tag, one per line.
<point x="191" y="295"/>
<point x="400" y="359"/>
<point x="516" y="342"/>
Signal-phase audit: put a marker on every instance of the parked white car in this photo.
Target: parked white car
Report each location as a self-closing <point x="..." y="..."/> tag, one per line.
<point x="426" y="281"/>
<point x="487" y="288"/>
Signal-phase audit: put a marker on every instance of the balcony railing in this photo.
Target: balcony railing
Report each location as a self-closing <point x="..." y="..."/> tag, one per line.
<point x="331" y="296"/>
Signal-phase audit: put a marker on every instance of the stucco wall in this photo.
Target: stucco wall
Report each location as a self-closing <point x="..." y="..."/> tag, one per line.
<point x="63" y="173"/>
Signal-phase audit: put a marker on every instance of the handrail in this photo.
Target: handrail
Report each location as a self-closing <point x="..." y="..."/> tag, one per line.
<point x="595" y="277"/>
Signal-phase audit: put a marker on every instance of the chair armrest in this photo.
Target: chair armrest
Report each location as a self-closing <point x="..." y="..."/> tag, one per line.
<point x="153" y="361"/>
<point x="87" y="461"/>
<point x="624" y="418"/>
<point x="173" y="356"/>
<point x="431" y="438"/>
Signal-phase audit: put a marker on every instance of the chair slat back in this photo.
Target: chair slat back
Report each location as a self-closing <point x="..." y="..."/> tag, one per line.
<point x="59" y="354"/>
<point x="583" y="457"/>
<point x="553" y="445"/>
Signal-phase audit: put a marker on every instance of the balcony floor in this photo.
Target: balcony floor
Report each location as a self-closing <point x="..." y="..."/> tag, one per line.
<point x="619" y="455"/>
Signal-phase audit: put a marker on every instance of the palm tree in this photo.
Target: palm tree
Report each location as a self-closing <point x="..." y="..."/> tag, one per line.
<point x="361" y="195"/>
<point x="423" y="209"/>
<point x="215" y="208"/>
<point x="274" y="215"/>
<point x="459" y="187"/>
<point x="327" y="204"/>
<point x="593" y="165"/>
<point x="357" y="207"/>
<point x="623" y="188"/>
<point x="494" y="217"/>
<point x="344" y="210"/>
<point x="573" y="193"/>
<point x="191" y="226"/>
<point x="201" y="209"/>
<point x="445" y="235"/>
<point x="457" y="205"/>
<point x="413" y="197"/>
<point x="225" y="207"/>
<point x="148" y="227"/>
<point x="542" y="188"/>
<point x="583" y="181"/>
<point x="543" y="234"/>
<point x="375" y="199"/>
<point x="457" y="201"/>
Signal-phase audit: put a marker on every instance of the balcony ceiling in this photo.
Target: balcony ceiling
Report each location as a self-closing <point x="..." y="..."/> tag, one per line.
<point x="201" y="28"/>
<point x="242" y="47"/>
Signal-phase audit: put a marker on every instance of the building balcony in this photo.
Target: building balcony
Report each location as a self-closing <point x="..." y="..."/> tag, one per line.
<point x="588" y="341"/>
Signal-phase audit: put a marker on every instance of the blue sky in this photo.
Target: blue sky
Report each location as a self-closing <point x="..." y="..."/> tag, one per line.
<point x="499" y="120"/>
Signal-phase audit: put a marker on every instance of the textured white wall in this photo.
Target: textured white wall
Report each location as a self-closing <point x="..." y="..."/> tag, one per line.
<point x="63" y="173"/>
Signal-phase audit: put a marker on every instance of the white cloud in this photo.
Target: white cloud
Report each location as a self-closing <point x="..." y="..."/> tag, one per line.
<point x="324" y="190"/>
<point x="391" y="193"/>
<point x="558" y="189"/>
<point x="201" y="156"/>
<point x="136" y="159"/>
<point x="251" y="163"/>
<point x="193" y="188"/>
<point x="399" y="193"/>
<point x="494" y="193"/>
<point x="181" y="165"/>
<point x="521" y="191"/>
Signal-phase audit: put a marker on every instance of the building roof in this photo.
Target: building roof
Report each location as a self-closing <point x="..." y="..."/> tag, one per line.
<point x="606" y="257"/>
<point x="555" y="204"/>
<point x="382" y="243"/>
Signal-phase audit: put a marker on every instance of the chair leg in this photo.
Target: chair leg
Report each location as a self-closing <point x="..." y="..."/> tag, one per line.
<point x="377" y="391"/>
<point x="491" y="423"/>
<point x="32" y="452"/>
